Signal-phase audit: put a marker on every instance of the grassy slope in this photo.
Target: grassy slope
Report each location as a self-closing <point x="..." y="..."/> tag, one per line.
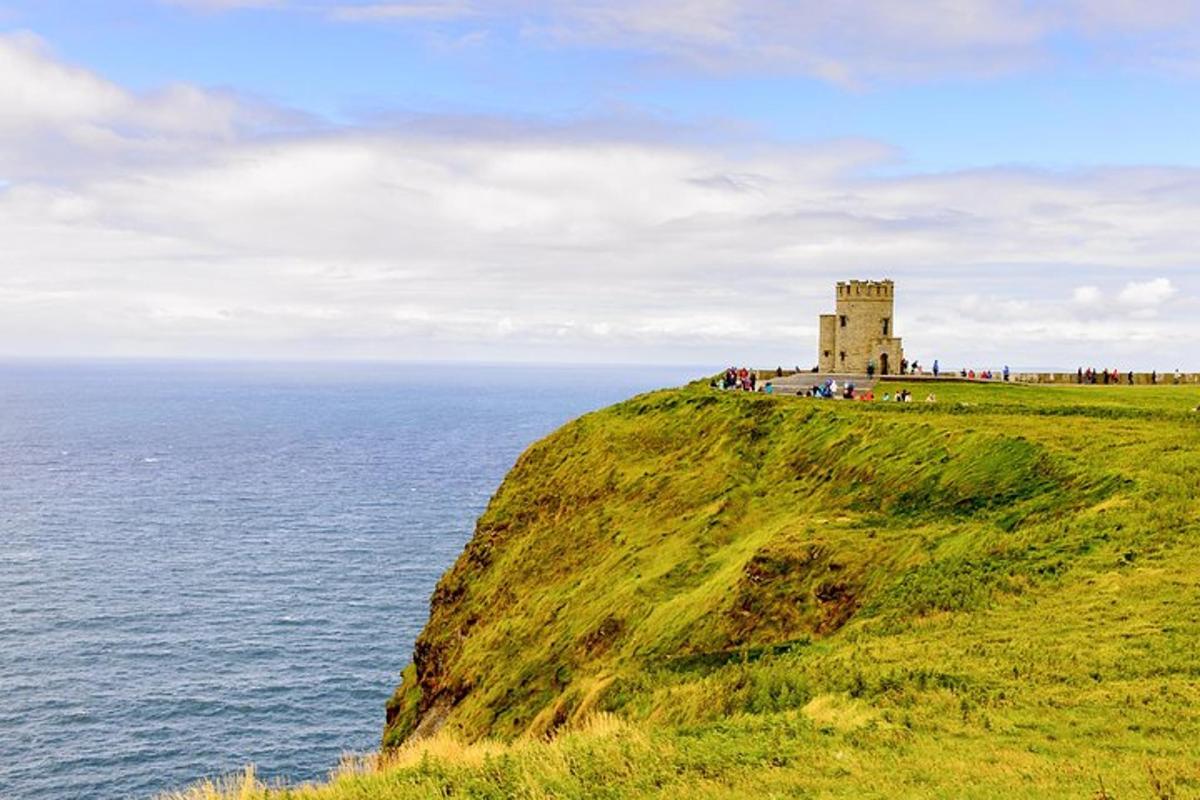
<point x="741" y="595"/>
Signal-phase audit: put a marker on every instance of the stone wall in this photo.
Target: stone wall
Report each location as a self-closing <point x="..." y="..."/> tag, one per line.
<point x="827" y="354"/>
<point x="1139" y="378"/>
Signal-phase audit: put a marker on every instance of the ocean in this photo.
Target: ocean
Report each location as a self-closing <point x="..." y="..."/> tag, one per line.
<point x="204" y="566"/>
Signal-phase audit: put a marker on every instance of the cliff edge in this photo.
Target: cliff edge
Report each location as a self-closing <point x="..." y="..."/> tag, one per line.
<point x="639" y="551"/>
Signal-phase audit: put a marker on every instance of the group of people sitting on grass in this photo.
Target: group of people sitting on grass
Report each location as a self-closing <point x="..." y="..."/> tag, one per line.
<point x="740" y="378"/>
<point x="830" y="390"/>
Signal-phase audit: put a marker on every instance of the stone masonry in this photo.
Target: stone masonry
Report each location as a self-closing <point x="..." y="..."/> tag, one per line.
<point x="861" y="333"/>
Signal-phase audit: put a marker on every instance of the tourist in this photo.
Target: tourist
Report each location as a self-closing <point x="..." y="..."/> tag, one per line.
<point x="1130" y="376"/>
<point x="1006" y="372"/>
<point x="1178" y="376"/>
<point x="936" y="368"/>
<point x="779" y="372"/>
<point x="887" y="397"/>
<point x="753" y="379"/>
<point x="769" y="389"/>
<point x="871" y="369"/>
<point x="931" y="398"/>
<point x="904" y="366"/>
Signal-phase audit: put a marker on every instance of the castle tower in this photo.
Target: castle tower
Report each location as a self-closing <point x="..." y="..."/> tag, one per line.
<point x="862" y="331"/>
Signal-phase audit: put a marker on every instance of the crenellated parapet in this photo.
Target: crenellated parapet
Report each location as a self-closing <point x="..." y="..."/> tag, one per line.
<point x="866" y="290"/>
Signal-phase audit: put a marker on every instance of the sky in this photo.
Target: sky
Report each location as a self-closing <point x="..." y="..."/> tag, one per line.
<point x="627" y="181"/>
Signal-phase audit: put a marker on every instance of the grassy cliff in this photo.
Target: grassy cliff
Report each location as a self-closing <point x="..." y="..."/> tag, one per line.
<point x="736" y="595"/>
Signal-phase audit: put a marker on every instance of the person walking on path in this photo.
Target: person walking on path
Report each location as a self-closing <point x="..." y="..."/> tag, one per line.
<point x="936" y="368"/>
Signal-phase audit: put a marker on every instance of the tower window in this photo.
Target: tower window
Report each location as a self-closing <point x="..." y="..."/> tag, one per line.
<point x="886" y="325"/>
<point x="843" y="355"/>
<point x="843" y="318"/>
<point x="827" y="354"/>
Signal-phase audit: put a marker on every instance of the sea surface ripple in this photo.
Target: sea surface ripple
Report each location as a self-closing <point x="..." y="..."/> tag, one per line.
<point x="205" y="566"/>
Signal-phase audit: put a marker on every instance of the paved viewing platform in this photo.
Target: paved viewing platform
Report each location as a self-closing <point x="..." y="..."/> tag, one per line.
<point x="803" y="381"/>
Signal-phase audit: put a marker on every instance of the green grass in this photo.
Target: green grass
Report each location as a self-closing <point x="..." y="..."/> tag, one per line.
<point x="732" y="595"/>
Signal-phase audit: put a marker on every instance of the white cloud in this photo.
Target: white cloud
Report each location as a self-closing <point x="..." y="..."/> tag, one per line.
<point x="38" y="90"/>
<point x="1088" y="296"/>
<point x="1147" y="293"/>
<point x="199" y="235"/>
<point x="57" y="119"/>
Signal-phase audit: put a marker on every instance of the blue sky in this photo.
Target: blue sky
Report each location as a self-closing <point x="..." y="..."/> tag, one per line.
<point x="1078" y="110"/>
<point x="998" y="157"/>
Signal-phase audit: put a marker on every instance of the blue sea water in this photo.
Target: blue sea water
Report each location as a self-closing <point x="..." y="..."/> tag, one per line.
<point x="204" y="566"/>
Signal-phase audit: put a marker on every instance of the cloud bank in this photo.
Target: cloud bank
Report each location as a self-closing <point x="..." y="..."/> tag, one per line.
<point x="191" y="222"/>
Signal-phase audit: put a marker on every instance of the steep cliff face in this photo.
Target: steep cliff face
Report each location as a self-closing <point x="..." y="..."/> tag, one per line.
<point x="686" y="529"/>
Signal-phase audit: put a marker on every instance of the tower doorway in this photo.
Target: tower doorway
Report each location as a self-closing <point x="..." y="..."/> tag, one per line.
<point x="883" y="364"/>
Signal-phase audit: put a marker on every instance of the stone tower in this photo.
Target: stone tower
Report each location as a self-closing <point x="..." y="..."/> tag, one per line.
<point x="862" y="330"/>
